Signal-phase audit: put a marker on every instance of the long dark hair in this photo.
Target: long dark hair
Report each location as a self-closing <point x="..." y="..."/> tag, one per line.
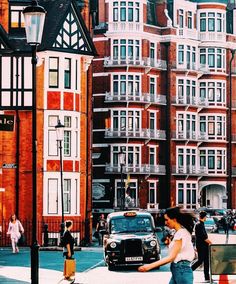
<point x="184" y="218"/>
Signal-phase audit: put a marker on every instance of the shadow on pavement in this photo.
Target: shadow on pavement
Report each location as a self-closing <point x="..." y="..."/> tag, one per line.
<point x="13" y="281"/>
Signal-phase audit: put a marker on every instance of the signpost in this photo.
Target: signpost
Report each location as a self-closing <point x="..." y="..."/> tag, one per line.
<point x="6" y="122"/>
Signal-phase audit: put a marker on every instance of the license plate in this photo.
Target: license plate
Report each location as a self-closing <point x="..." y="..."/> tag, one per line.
<point x="134" y="258"/>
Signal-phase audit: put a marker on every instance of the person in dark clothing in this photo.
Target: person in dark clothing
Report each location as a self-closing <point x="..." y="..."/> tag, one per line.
<point x="68" y="241"/>
<point x="100" y="228"/>
<point x="202" y="246"/>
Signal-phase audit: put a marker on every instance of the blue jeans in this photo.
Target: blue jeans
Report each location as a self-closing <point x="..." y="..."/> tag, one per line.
<point x="181" y="273"/>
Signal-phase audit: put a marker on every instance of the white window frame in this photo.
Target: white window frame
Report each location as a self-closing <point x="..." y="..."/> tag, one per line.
<point x="153" y="189"/>
<point x="191" y="186"/>
<point x="218" y="152"/>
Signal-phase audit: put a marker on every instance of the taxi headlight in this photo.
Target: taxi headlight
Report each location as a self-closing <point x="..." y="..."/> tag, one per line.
<point x="153" y="243"/>
<point x="113" y="245"/>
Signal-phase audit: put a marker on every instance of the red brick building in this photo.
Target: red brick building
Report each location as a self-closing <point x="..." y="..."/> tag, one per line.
<point x="63" y="93"/>
<point x="164" y="95"/>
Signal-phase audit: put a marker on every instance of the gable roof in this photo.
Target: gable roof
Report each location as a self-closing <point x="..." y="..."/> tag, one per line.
<point x="57" y="14"/>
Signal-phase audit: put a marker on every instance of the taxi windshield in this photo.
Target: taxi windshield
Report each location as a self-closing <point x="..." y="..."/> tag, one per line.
<point x="130" y="225"/>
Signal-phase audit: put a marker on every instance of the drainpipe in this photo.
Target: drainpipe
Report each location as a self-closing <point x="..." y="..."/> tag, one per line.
<point x="168" y="131"/>
<point x="17" y="139"/>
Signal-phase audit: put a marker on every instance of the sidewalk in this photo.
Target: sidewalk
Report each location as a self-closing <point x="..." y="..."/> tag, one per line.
<point x="98" y="275"/>
<point x="101" y="275"/>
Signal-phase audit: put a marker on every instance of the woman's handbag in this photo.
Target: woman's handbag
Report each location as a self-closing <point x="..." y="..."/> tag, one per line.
<point x="69" y="268"/>
<point x="21" y="240"/>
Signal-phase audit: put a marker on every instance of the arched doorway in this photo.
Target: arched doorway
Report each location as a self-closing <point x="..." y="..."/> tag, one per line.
<point x="213" y="195"/>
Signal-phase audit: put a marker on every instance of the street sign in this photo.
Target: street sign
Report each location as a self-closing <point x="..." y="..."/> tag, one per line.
<point x="9" y="166"/>
<point x="6" y="122"/>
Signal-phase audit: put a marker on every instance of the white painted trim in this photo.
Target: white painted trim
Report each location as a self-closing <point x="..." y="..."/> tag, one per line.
<point x="100" y="109"/>
<point x="100" y="74"/>
<point x="101" y="180"/>
<point x="100" y="145"/>
<point x="100" y="39"/>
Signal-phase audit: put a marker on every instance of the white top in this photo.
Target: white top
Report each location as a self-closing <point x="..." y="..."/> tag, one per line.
<point x="15" y="230"/>
<point x="187" y="250"/>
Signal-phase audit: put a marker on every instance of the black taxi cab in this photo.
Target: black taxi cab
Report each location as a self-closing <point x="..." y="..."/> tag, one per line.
<point x="130" y="239"/>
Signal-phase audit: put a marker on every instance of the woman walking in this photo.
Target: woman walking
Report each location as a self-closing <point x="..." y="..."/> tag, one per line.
<point x="68" y="240"/>
<point x="15" y="229"/>
<point x="181" y="251"/>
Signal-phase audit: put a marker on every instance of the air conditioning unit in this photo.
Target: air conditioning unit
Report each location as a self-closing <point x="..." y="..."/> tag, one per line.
<point x="153" y="206"/>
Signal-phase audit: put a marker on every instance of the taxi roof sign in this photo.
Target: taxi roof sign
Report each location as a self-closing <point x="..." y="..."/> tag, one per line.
<point x="130" y="214"/>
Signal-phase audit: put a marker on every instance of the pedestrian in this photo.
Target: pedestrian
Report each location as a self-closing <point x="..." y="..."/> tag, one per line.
<point x="181" y="251"/>
<point x="101" y="228"/>
<point x="202" y="246"/>
<point x="129" y="201"/>
<point x="15" y="229"/>
<point x="68" y="241"/>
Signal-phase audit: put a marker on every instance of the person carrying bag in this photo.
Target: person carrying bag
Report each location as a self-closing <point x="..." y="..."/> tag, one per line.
<point x="68" y="252"/>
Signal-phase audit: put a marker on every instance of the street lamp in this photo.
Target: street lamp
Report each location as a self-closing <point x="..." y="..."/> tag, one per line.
<point x="229" y="156"/>
<point x="121" y="156"/>
<point x="34" y="17"/>
<point x="60" y="137"/>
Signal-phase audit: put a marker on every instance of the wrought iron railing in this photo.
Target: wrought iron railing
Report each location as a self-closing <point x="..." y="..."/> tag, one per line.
<point x="48" y="232"/>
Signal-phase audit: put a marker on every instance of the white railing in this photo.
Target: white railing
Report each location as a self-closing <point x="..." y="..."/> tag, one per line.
<point x="144" y="62"/>
<point x="124" y="26"/>
<point x="212" y="36"/>
<point x="139" y="169"/>
<point x="144" y="133"/>
<point x="188" y="33"/>
<point x="136" y="97"/>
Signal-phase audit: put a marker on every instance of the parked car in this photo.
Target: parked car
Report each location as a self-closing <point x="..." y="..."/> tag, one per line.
<point x="210" y="225"/>
<point x="213" y="211"/>
<point x="130" y="239"/>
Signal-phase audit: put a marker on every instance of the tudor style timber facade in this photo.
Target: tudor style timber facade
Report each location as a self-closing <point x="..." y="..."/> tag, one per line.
<point x="162" y="95"/>
<point x="63" y="92"/>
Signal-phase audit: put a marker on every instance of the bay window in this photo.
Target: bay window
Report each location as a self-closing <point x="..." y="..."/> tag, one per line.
<point x="213" y="58"/>
<point x="212" y="22"/>
<point x="214" y="126"/>
<point x="213" y="160"/>
<point x="126" y="11"/>
<point x="126" y="48"/>
<point x="124" y="85"/>
<point x="213" y="92"/>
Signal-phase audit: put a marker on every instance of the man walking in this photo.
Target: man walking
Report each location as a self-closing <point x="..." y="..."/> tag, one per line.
<point x="202" y="246"/>
<point x="100" y="228"/>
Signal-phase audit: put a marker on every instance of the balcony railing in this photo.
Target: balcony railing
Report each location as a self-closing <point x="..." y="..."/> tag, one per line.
<point x="188" y="33"/>
<point x="136" y="169"/>
<point x="212" y="36"/>
<point x="201" y="136"/>
<point x="155" y="63"/>
<point x="136" y="97"/>
<point x="143" y="62"/>
<point x="198" y="102"/>
<point x="124" y="26"/>
<point x="199" y="171"/>
<point x="142" y="133"/>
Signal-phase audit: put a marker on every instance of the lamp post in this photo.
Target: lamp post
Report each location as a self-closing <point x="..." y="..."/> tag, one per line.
<point x="34" y="17"/>
<point x="60" y="137"/>
<point x="229" y="156"/>
<point x="121" y="156"/>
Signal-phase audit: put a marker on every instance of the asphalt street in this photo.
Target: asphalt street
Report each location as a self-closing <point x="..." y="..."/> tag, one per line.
<point x="90" y="268"/>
